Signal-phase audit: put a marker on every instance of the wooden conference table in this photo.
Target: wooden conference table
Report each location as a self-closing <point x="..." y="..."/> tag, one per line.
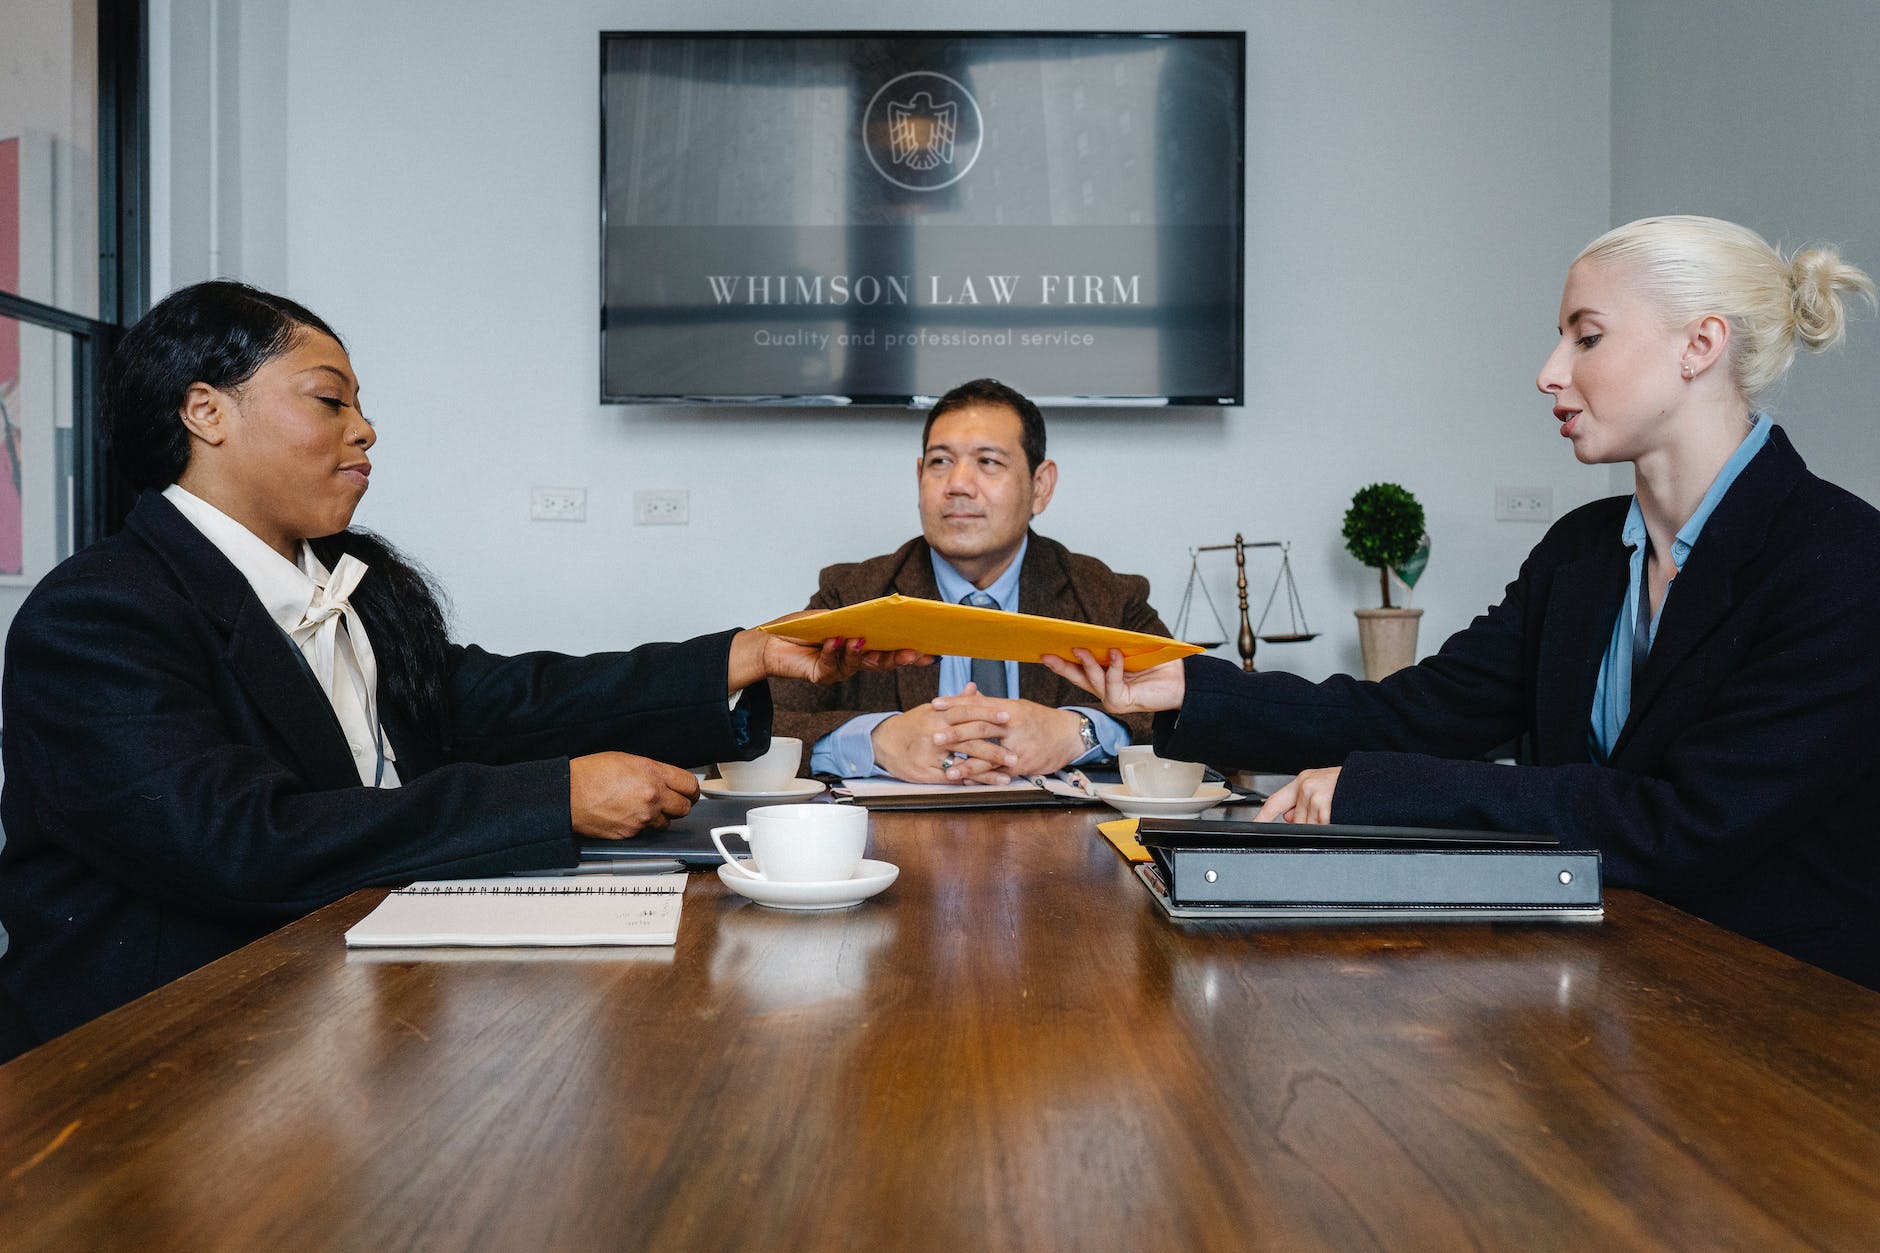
<point x="1010" y="1048"/>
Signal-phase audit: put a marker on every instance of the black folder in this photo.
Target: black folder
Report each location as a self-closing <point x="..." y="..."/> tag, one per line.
<point x="687" y="839"/>
<point x="1227" y="869"/>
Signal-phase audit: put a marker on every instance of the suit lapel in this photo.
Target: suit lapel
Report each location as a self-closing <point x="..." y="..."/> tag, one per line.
<point x="1704" y="591"/>
<point x="289" y="698"/>
<point x="1044" y="590"/>
<point x="1582" y="601"/>
<point x="916" y="685"/>
<point x="261" y="658"/>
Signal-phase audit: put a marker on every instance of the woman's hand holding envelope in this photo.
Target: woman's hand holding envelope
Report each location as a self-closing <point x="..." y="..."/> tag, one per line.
<point x="1146" y="691"/>
<point x="756" y="654"/>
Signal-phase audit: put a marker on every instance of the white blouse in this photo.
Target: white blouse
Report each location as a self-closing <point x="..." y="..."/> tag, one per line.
<point x="309" y="603"/>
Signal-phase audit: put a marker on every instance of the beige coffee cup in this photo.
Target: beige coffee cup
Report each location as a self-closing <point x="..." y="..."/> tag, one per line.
<point x="769" y="773"/>
<point x="1129" y="752"/>
<point x="1145" y="774"/>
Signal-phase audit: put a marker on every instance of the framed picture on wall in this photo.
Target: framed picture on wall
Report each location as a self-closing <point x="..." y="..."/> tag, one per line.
<point x="35" y="371"/>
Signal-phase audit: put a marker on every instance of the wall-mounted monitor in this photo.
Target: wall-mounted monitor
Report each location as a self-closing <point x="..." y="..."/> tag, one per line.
<point x="872" y="218"/>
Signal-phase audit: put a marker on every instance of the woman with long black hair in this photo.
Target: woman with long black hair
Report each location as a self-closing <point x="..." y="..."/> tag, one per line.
<point x="237" y="709"/>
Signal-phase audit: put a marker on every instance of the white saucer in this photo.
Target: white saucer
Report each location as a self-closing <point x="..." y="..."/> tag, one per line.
<point x="870" y="877"/>
<point x="1130" y="805"/>
<point x="795" y="789"/>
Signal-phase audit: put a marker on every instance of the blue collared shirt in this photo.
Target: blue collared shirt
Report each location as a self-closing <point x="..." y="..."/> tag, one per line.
<point x="1612" y="694"/>
<point x="956" y="672"/>
<point x="849" y="750"/>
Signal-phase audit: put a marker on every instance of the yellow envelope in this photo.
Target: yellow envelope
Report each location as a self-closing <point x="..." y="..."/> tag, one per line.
<point x="933" y="626"/>
<point x="1122" y="833"/>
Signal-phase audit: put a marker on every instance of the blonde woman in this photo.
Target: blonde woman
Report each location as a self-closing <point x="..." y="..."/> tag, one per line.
<point x="1692" y="670"/>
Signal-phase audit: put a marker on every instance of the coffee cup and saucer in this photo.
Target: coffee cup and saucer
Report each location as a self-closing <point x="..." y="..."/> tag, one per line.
<point x="1160" y="787"/>
<point x="771" y="777"/>
<point x="804" y="857"/>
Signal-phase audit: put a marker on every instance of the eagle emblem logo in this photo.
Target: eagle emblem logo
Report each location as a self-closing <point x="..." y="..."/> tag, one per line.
<point x="920" y="132"/>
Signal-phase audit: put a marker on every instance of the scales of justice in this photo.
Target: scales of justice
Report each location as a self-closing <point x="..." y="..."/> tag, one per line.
<point x="1298" y="633"/>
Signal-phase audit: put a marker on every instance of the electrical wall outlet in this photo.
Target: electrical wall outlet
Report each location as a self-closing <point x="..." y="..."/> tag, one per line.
<point x="1524" y="504"/>
<point x="558" y="504"/>
<point x="665" y="507"/>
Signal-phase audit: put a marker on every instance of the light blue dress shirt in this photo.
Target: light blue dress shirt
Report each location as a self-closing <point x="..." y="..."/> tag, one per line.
<point x="848" y="751"/>
<point x="1612" y="694"/>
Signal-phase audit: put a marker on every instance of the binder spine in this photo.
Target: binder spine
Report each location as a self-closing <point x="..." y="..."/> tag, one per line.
<point x="1384" y="878"/>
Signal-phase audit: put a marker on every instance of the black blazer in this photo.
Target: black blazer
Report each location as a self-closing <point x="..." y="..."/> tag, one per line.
<point x="1740" y="788"/>
<point x="177" y="784"/>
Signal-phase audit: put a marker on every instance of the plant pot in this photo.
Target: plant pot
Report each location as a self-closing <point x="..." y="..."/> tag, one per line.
<point x="1388" y="638"/>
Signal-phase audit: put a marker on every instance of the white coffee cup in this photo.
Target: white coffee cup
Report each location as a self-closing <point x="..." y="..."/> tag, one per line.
<point x="1145" y="774"/>
<point x="1129" y="752"/>
<point x="769" y="773"/>
<point x="799" y="843"/>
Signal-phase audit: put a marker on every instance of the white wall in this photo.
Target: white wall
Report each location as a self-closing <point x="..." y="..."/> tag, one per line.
<point x="1767" y="115"/>
<point x="1416" y="185"/>
<point x="218" y="115"/>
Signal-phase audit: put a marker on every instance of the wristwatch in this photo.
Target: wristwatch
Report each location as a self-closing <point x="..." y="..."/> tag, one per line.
<point x="1087" y="731"/>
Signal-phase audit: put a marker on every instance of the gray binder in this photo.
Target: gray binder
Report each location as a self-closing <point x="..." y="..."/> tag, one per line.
<point x="1205" y="869"/>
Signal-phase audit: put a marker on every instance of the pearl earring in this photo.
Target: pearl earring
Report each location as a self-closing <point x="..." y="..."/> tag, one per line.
<point x="1689" y="373"/>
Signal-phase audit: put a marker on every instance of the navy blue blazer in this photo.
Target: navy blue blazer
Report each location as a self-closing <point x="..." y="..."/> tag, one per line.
<point x="177" y="784"/>
<point x="1741" y="788"/>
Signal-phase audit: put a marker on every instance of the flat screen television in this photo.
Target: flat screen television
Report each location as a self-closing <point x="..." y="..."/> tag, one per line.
<point x="872" y="218"/>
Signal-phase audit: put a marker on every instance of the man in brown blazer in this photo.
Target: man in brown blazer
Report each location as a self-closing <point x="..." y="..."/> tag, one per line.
<point x="982" y="476"/>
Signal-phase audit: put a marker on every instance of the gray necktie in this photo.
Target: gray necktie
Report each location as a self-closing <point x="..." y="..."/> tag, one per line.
<point x="988" y="675"/>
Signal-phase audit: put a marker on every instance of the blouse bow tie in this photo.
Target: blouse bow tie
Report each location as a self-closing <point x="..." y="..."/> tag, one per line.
<point x="318" y="630"/>
<point x="319" y="636"/>
<point x="331" y="602"/>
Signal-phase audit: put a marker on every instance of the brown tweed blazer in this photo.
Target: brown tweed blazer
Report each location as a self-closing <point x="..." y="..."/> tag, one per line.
<point x="1055" y="582"/>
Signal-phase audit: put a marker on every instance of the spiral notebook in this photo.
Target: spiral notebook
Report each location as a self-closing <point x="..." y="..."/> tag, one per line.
<point x="515" y="913"/>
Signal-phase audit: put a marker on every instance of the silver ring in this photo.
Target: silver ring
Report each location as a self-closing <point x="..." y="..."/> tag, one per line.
<point x="951" y="760"/>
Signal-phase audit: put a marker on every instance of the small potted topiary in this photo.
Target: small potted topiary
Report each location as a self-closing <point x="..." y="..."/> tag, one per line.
<point x="1384" y="529"/>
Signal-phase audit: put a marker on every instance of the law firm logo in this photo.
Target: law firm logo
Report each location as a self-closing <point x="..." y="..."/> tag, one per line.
<point x="922" y="131"/>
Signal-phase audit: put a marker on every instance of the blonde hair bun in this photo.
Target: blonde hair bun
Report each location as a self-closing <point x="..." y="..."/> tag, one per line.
<point x="1820" y="282"/>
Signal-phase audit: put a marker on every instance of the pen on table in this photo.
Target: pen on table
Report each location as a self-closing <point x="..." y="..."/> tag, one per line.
<point x="652" y="865"/>
<point x="1077" y="779"/>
